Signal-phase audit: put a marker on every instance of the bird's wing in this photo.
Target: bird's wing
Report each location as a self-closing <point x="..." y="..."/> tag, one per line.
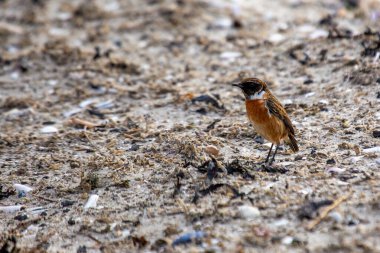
<point x="276" y="109"/>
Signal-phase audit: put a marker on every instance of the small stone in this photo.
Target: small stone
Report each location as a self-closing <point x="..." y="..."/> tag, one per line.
<point x="82" y="249"/>
<point x="337" y="217"/>
<point x="71" y="221"/>
<point x="21" y="217"/>
<point x="49" y="129"/>
<point x="345" y="124"/>
<point x="212" y="150"/>
<point x="276" y="38"/>
<point x="248" y="212"/>
<point x="281" y="223"/>
<point x="222" y="23"/>
<point x="287" y="240"/>
<point x="308" y="81"/>
<point x="134" y="147"/>
<point x="376" y="133"/>
<point x="330" y="161"/>
<point x="66" y="203"/>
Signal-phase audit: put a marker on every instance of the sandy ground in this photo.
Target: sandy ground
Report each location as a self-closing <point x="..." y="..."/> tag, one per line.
<point x="128" y="100"/>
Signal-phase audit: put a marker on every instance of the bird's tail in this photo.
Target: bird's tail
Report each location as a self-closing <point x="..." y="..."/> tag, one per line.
<point x="293" y="143"/>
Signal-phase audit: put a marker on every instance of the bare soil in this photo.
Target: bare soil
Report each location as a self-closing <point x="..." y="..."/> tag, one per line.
<point x="132" y="101"/>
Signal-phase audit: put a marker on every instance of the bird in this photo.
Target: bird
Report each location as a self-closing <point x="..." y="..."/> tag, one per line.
<point x="267" y="115"/>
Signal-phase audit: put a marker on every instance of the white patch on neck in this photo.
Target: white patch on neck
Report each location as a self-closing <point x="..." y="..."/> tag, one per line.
<point x="257" y="96"/>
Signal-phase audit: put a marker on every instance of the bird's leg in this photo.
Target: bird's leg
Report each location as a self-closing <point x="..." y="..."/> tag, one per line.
<point x="275" y="152"/>
<point x="270" y="150"/>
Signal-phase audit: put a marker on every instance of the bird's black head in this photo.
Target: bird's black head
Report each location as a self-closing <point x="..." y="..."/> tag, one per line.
<point x="251" y="86"/>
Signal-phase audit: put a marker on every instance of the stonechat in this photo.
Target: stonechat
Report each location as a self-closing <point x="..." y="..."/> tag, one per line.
<point x="268" y="116"/>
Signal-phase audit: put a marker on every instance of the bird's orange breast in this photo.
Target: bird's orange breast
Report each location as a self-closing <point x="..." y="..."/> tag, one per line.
<point x="256" y="110"/>
<point x="265" y="124"/>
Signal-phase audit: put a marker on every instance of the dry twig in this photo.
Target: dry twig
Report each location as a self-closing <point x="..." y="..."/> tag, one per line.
<point x="327" y="210"/>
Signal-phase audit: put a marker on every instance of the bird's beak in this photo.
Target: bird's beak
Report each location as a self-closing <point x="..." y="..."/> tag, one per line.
<point x="236" y="84"/>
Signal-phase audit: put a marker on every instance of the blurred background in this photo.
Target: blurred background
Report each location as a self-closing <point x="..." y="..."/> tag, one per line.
<point x="130" y="100"/>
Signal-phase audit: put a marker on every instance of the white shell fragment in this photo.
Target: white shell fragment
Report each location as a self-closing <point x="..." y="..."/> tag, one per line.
<point x="72" y="112"/>
<point x="248" y="212"/>
<point x="91" y="202"/>
<point x="22" y="188"/>
<point x="49" y="130"/>
<point x="104" y="104"/>
<point x="230" y="55"/>
<point x="36" y="210"/>
<point x="319" y="34"/>
<point x="87" y="102"/>
<point x="276" y="38"/>
<point x="355" y="159"/>
<point x="310" y="94"/>
<point x="334" y="170"/>
<point x="10" y="209"/>
<point x="372" y="150"/>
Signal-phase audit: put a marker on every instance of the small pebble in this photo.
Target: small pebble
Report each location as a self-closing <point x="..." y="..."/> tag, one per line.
<point x="276" y="38"/>
<point x="212" y="150"/>
<point x="287" y="240"/>
<point x="308" y="81"/>
<point x="222" y="23"/>
<point x="66" y="203"/>
<point x="230" y="55"/>
<point x="330" y="161"/>
<point x="376" y="133"/>
<point x="71" y="221"/>
<point x="337" y="217"/>
<point x="82" y="249"/>
<point x="248" y="212"/>
<point x="21" y="217"/>
<point x="134" y="147"/>
<point x="287" y="101"/>
<point x="189" y="237"/>
<point x="281" y="222"/>
<point x="49" y="130"/>
<point x="15" y="75"/>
